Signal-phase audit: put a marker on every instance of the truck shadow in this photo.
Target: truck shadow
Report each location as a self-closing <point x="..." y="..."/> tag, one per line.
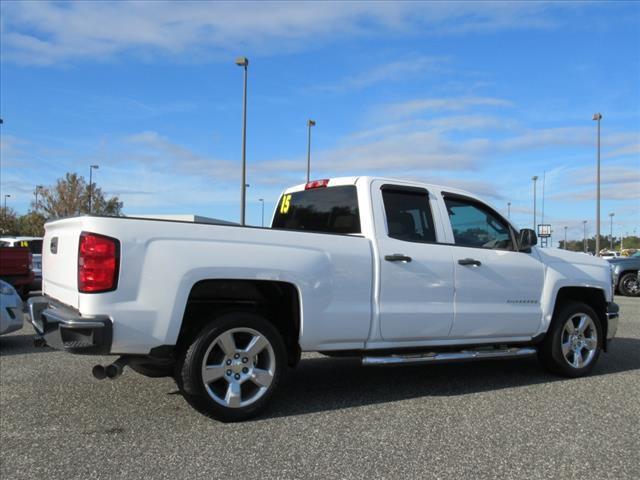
<point x="325" y="384"/>
<point x="20" y="343"/>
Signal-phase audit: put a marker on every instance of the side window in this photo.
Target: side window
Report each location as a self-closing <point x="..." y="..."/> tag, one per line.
<point x="408" y="214"/>
<point x="474" y="225"/>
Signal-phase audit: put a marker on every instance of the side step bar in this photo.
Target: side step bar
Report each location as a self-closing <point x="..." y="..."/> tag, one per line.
<point x="442" y="357"/>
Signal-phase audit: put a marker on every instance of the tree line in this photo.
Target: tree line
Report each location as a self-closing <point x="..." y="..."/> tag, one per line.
<point x="70" y="196"/>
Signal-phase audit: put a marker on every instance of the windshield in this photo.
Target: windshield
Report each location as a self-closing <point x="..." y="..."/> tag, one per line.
<point x="328" y="210"/>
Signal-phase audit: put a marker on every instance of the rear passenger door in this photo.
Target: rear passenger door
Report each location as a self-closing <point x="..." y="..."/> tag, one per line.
<point x="498" y="288"/>
<point x="416" y="273"/>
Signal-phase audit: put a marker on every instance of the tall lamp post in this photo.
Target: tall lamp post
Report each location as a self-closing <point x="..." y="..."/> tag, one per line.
<point x="91" y="168"/>
<point x="509" y="210"/>
<point x="261" y="200"/>
<point x="4" y="212"/>
<point x="565" y="238"/>
<point x="535" y="179"/>
<point x="310" y="123"/>
<point x="597" y="117"/>
<point x="243" y="62"/>
<point x="584" y="238"/>
<point x="611" y="237"/>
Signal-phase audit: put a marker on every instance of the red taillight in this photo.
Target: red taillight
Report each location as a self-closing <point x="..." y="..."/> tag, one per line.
<point x="316" y="184"/>
<point x="98" y="259"/>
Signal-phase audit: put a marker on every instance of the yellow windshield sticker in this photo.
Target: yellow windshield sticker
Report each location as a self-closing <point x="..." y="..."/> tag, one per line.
<point x="284" y="206"/>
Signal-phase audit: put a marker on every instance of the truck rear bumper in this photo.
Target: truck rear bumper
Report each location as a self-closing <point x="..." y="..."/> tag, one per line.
<point x="64" y="328"/>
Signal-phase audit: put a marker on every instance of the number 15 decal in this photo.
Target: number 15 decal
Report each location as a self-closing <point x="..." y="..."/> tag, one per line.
<point x="284" y="207"/>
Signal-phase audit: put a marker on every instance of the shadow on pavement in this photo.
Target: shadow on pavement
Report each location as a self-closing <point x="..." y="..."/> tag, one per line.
<point x="20" y="343"/>
<point x="324" y="384"/>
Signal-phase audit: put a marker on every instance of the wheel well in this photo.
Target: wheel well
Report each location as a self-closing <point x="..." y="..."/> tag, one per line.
<point x="278" y="302"/>
<point x="594" y="297"/>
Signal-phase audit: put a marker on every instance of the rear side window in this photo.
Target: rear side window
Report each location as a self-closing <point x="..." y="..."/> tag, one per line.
<point x="328" y="210"/>
<point x="474" y="225"/>
<point x="408" y="214"/>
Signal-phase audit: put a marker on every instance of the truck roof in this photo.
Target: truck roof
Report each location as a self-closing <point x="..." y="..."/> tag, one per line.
<point x="333" y="182"/>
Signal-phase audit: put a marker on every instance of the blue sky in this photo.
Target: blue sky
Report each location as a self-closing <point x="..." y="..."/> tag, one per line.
<point x="478" y="95"/>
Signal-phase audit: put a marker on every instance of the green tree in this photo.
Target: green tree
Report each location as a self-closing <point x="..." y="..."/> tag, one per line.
<point x="8" y="221"/>
<point x="70" y="197"/>
<point x="31" y="224"/>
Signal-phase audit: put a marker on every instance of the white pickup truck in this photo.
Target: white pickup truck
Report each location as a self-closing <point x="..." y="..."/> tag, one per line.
<point x="387" y="270"/>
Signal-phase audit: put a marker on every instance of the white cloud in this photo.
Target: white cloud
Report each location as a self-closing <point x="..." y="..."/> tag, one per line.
<point x="437" y="105"/>
<point x="50" y="32"/>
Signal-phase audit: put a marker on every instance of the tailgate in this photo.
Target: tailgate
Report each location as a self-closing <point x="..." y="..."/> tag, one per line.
<point x="60" y="260"/>
<point x="14" y="261"/>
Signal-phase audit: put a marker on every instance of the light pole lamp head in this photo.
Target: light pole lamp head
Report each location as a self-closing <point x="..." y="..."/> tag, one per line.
<point x="612" y="214"/>
<point x="534" y="178"/>
<point x="311" y="123"/>
<point x="597" y="116"/>
<point x="242" y="62"/>
<point x="95" y="166"/>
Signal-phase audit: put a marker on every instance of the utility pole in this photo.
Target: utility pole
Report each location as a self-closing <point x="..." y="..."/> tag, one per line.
<point x="611" y="237"/>
<point x="310" y="123"/>
<point x="584" y="241"/>
<point x="597" y="117"/>
<point x="535" y="179"/>
<point x="243" y="62"/>
<point x="565" y="238"/>
<point x="509" y="210"/>
<point x="261" y="200"/>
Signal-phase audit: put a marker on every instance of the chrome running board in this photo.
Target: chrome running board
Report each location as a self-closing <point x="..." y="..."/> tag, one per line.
<point x="441" y="357"/>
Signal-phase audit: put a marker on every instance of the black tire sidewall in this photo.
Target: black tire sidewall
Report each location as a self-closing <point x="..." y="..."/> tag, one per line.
<point x="552" y="354"/>
<point x="190" y="369"/>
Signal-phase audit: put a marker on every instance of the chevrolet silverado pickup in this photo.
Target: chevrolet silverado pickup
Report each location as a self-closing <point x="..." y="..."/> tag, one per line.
<point x="390" y="271"/>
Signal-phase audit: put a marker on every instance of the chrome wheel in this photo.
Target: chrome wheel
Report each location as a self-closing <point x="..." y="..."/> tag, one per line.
<point x="238" y="367"/>
<point x="579" y="340"/>
<point x="630" y="285"/>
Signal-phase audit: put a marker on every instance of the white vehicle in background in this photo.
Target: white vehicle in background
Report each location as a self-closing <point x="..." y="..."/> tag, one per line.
<point x="35" y="245"/>
<point x="11" y="309"/>
<point x="608" y="255"/>
<point x="390" y="271"/>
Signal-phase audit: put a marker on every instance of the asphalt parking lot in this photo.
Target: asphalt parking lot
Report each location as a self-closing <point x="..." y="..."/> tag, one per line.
<point x="332" y="419"/>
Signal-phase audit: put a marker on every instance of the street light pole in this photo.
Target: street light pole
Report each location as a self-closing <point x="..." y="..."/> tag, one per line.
<point x="565" y="238"/>
<point x="91" y="167"/>
<point x="584" y="241"/>
<point x="535" y="179"/>
<point x="4" y="212"/>
<point x="611" y="237"/>
<point x="243" y="62"/>
<point x="310" y="123"/>
<point x="597" y="117"/>
<point x="509" y="210"/>
<point x="261" y="200"/>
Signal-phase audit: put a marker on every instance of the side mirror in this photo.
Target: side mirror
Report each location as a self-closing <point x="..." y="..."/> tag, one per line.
<point x="528" y="239"/>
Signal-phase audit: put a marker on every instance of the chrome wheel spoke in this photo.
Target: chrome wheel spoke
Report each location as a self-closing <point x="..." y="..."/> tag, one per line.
<point x="582" y="323"/>
<point x="566" y="348"/>
<point x="227" y="343"/>
<point x="211" y="373"/>
<point x="569" y="327"/>
<point x="257" y="344"/>
<point x="577" y="358"/>
<point x="261" y="378"/>
<point x="590" y="343"/>
<point x="233" y="396"/>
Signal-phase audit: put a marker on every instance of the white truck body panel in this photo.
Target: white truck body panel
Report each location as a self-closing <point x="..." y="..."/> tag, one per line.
<point x="350" y="297"/>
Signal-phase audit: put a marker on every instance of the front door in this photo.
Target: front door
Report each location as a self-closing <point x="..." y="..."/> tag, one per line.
<point x="498" y="289"/>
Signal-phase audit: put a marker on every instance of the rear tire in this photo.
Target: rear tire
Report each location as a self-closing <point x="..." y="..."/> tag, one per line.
<point x="629" y="285"/>
<point x="573" y="343"/>
<point x="232" y="367"/>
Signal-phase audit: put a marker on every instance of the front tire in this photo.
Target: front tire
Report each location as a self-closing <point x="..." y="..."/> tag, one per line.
<point x="573" y="343"/>
<point x="629" y="285"/>
<point x="232" y="367"/>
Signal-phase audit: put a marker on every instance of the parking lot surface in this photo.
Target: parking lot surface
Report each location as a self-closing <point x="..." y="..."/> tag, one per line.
<point x="332" y="418"/>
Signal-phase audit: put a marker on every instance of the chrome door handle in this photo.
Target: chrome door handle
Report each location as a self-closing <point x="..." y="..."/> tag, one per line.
<point x="470" y="261"/>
